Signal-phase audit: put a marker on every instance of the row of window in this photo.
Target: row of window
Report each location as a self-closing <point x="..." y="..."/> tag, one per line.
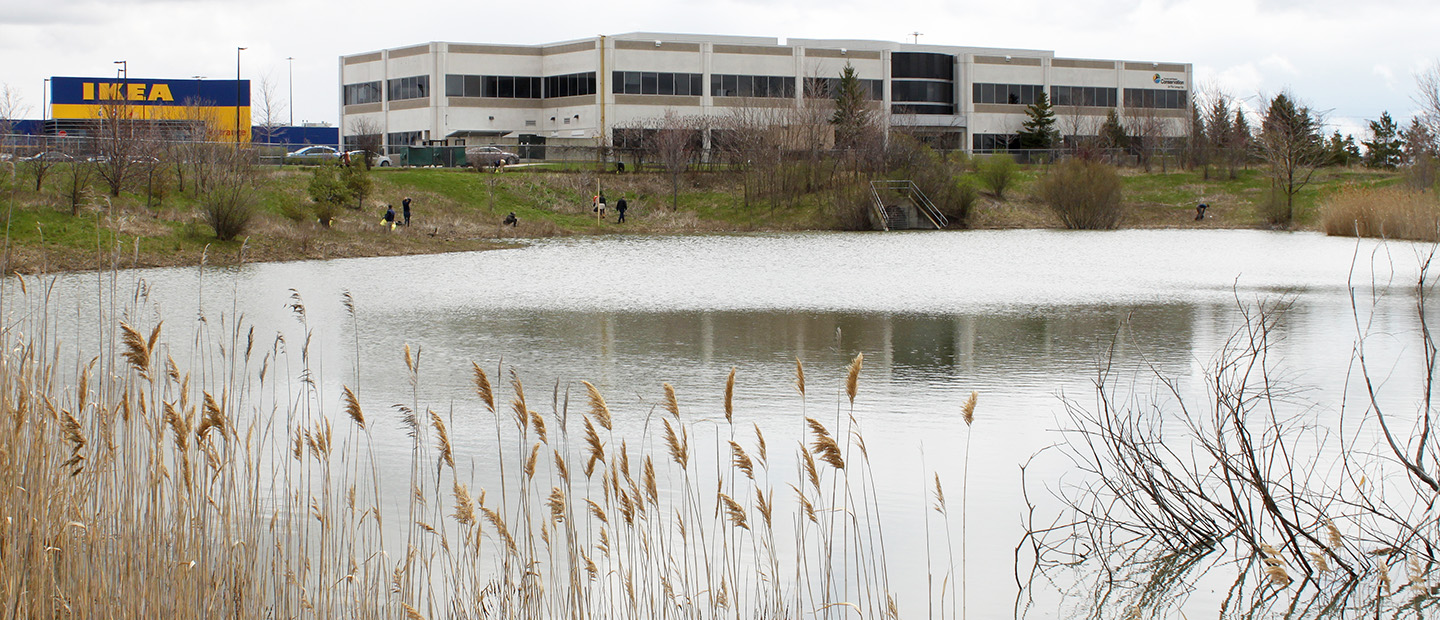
<point x="922" y="65"/>
<point x="405" y="138"/>
<point x="356" y="94"/>
<point x="657" y="83"/>
<point x="995" y="142"/>
<point x="1155" y="98"/>
<point x="416" y="87"/>
<point x="922" y="92"/>
<point x="1096" y="96"/>
<point x="752" y="86"/>
<point x="815" y="88"/>
<point x="1012" y="94"/>
<point x="520" y="87"/>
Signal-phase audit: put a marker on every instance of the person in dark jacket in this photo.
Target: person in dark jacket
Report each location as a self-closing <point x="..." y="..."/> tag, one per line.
<point x="620" y="208"/>
<point x="405" y="209"/>
<point x="512" y="220"/>
<point x="389" y="221"/>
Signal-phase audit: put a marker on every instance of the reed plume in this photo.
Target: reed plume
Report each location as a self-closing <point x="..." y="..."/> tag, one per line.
<point x="967" y="411"/>
<point x="598" y="409"/>
<point x="734" y="511"/>
<point x="352" y="407"/>
<point x="730" y="396"/>
<point x="482" y="387"/>
<point x="852" y="377"/>
<point x="671" y="403"/>
<point x="800" y="377"/>
<point x="442" y="440"/>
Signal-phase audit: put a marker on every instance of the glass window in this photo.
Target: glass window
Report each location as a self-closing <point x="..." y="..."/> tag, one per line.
<point x="667" y="84"/>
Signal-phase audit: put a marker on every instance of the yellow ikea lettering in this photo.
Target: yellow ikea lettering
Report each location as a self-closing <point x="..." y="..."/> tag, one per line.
<point x="160" y="92"/>
<point x="87" y="91"/>
<point x="135" y="92"/>
<point x="111" y="91"/>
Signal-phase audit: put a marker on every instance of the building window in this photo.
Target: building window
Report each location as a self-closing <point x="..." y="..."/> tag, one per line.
<point x="922" y="65"/>
<point x="1089" y="96"/>
<point x="405" y="138"/>
<point x="995" y="141"/>
<point x="570" y="85"/>
<point x="416" y="87"/>
<point x="1007" y="94"/>
<point x="752" y="86"/>
<point x="655" y="83"/>
<point x="356" y="94"/>
<point x="1155" y="98"/>
<point x="816" y="88"/>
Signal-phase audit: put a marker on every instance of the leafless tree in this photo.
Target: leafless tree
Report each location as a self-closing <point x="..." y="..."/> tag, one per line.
<point x="272" y="110"/>
<point x="77" y="176"/>
<point x="1147" y="133"/>
<point x="12" y="109"/>
<point x="675" y="143"/>
<point x="1428" y="96"/>
<point x="364" y="134"/>
<point x="1289" y="144"/>
<point x="125" y="144"/>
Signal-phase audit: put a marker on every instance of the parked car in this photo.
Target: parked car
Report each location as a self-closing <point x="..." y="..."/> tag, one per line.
<point x="480" y="156"/>
<point x="312" y="155"/>
<point x="376" y="160"/>
<point x="50" y="156"/>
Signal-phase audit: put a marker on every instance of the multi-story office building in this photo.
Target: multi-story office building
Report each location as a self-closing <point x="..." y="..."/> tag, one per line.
<point x="579" y="92"/>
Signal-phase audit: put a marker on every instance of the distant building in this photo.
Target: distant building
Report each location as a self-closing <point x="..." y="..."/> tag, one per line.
<point x="580" y="92"/>
<point x="217" y="110"/>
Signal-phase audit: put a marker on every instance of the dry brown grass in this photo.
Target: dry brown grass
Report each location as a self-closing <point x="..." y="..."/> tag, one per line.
<point x="1386" y="212"/>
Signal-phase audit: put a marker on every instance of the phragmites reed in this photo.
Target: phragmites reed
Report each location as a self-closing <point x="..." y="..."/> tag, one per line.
<point x="1274" y="565"/>
<point x="498" y="522"/>
<point x="651" y="490"/>
<point x="442" y="440"/>
<point x="968" y="410"/>
<point x="671" y="403"/>
<point x="598" y="408"/>
<point x="734" y="511"/>
<point x="538" y="423"/>
<point x="766" y="505"/>
<point x="352" y="407"/>
<point x="939" y="495"/>
<point x="852" y="377"/>
<point x="561" y="467"/>
<point x="679" y="444"/>
<point x="825" y="445"/>
<point x="522" y="413"/>
<point x="730" y="396"/>
<point x="760" y="447"/>
<point x="556" y="504"/>
<point x="464" y="505"/>
<point x="137" y="348"/>
<point x="532" y="461"/>
<point x="800" y="377"/>
<point x="811" y="471"/>
<point x="482" y="388"/>
<point x="212" y="418"/>
<point x="411" y="613"/>
<point x="597" y="448"/>
<point x="71" y="429"/>
<point x="1382" y="572"/>
<point x="742" y="460"/>
<point x="1333" y="534"/>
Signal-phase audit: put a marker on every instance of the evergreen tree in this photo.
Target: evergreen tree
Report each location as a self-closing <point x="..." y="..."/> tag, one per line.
<point x="1341" y="150"/>
<point x="1291" y="146"/>
<point x="1383" y="149"/>
<point x="1113" y="133"/>
<point x="1038" y="131"/>
<point x="852" y="115"/>
<point x="1240" y="138"/>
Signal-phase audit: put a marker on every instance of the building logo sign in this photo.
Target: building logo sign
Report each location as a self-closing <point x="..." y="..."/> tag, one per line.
<point x="222" y="105"/>
<point x="1169" y="81"/>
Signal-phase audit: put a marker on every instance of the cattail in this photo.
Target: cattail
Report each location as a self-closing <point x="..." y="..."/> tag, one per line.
<point x="482" y="388"/>
<point x="730" y="396"/>
<point x="800" y="377"/>
<point x="852" y="378"/>
<point x="598" y="408"/>
<point x="352" y="408"/>
<point x="968" y="410"/>
<point x="671" y="403"/>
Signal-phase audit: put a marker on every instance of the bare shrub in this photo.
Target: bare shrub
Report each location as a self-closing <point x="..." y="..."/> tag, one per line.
<point x="228" y="204"/>
<point x="1386" y="212"/>
<point x="1084" y="194"/>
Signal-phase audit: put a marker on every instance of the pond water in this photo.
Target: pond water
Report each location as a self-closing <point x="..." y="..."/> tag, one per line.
<point x="1021" y="317"/>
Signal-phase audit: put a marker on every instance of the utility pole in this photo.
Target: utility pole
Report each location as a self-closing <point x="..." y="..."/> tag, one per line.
<point x="917" y="36"/>
<point x="237" y="95"/>
<point x="291" y="60"/>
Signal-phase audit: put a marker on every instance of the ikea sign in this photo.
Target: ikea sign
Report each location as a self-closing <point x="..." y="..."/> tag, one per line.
<point x="198" y="93"/>
<point x="223" y="106"/>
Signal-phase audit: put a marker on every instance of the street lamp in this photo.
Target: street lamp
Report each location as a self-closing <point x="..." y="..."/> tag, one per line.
<point x="291" y="60"/>
<point x="45" y="101"/>
<point x="124" y="70"/>
<point x="237" y="95"/>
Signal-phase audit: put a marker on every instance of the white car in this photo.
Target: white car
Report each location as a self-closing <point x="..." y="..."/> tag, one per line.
<point x="312" y="155"/>
<point x="376" y="160"/>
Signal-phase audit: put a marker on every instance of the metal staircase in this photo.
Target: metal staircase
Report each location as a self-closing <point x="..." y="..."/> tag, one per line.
<point x="890" y="217"/>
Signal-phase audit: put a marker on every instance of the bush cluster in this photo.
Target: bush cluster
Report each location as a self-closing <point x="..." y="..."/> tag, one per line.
<point x="1084" y="194"/>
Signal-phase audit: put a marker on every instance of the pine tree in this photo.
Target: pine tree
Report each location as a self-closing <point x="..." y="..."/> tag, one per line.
<point x="1038" y="130"/>
<point x="851" y="116"/>
<point x="1383" y="149"/>
<point x="1291" y="146"/>
<point x="1113" y="133"/>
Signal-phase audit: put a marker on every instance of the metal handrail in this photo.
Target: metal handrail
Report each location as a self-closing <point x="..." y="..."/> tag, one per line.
<point x="879" y="206"/>
<point x="922" y="202"/>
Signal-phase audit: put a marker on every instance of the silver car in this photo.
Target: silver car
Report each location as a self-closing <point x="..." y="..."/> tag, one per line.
<point x="481" y="156"/>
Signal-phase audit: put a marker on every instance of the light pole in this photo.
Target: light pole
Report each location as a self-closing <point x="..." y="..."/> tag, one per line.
<point x="291" y="60"/>
<point x="124" y="70"/>
<point x="237" y="95"/>
<point x="45" y="102"/>
<point x="197" y="102"/>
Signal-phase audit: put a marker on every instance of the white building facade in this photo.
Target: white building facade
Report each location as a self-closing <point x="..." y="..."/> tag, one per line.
<point x="579" y="92"/>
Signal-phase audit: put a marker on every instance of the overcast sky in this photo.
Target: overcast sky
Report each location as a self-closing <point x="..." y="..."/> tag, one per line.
<point x="1350" y="59"/>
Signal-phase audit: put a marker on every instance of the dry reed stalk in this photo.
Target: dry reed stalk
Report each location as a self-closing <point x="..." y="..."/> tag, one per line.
<point x="852" y="377"/>
<point x="598" y="409"/>
<point x="482" y="388"/>
<point x="597" y="448"/>
<point x="352" y="407"/>
<point x="800" y="377"/>
<point x="672" y="404"/>
<point x="730" y="397"/>
<point x="442" y="440"/>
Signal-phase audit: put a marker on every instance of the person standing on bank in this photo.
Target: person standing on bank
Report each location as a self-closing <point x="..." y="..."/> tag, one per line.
<point x="405" y="210"/>
<point x="389" y="221"/>
<point x="620" y="208"/>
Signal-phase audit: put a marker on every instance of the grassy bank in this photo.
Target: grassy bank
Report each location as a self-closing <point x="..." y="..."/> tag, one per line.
<point x="461" y="210"/>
